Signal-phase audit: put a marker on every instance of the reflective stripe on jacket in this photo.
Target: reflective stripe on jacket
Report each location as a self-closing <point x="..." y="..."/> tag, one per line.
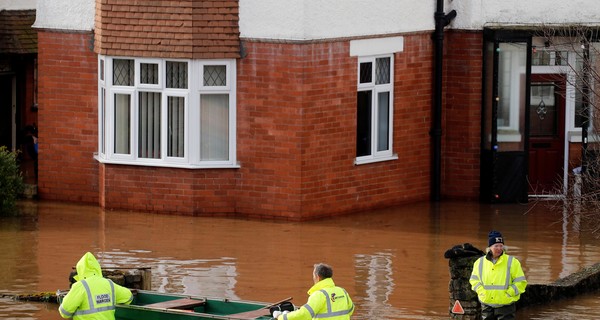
<point x="326" y="301"/>
<point x="498" y="284"/>
<point x="93" y="297"/>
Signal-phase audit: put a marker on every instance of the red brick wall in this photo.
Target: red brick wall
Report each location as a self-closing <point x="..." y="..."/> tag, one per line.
<point x="68" y="118"/>
<point x="182" y="191"/>
<point x="270" y="128"/>
<point x="331" y="181"/>
<point x="462" y="114"/>
<point x="297" y="120"/>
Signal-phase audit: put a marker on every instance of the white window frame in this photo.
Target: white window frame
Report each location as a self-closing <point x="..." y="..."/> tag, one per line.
<point x="377" y="156"/>
<point x="191" y="94"/>
<point x="101" y="105"/>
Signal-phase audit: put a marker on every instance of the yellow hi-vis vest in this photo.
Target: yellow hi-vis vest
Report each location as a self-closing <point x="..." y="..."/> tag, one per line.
<point x="92" y="297"/>
<point x="326" y="301"/>
<point x="498" y="284"/>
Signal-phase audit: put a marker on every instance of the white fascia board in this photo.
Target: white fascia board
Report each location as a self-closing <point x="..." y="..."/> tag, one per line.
<point x="377" y="46"/>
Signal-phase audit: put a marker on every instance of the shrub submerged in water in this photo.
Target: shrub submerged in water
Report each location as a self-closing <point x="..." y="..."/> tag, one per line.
<point x="11" y="181"/>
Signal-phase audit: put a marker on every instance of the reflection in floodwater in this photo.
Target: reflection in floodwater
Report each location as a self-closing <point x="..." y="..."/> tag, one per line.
<point x="390" y="261"/>
<point x="377" y="272"/>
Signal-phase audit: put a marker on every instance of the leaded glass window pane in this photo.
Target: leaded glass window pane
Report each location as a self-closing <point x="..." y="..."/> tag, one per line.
<point x="149" y="73"/>
<point x="366" y="72"/>
<point x="382" y="70"/>
<point x="215" y="76"/>
<point x="177" y="75"/>
<point x="176" y="126"/>
<point x="123" y="72"/>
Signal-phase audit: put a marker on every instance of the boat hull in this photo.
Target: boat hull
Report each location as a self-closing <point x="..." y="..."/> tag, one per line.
<point x="150" y="305"/>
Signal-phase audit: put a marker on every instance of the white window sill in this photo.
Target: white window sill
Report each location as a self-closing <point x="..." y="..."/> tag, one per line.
<point x="358" y="162"/>
<point x="169" y="165"/>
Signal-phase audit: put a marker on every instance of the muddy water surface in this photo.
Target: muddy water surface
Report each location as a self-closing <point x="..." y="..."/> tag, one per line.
<point x="390" y="261"/>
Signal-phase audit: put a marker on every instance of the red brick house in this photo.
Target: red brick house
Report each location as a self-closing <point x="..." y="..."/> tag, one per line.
<point x="170" y="106"/>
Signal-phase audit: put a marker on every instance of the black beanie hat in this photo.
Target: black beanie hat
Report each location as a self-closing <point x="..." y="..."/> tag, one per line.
<point x="495" y="237"/>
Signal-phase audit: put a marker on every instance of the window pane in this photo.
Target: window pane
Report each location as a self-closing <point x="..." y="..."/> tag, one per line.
<point x="177" y="75"/>
<point x="102" y="120"/>
<point x="383" y="121"/>
<point x="176" y="126"/>
<point x="215" y="76"/>
<point x="101" y="69"/>
<point x="363" y="123"/>
<point x="488" y="94"/>
<point x="149" y="73"/>
<point x="149" y="125"/>
<point x="512" y="62"/>
<point x="382" y="70"/>
<point x="214" y="127"/>
<point x="122" y="123"/>
<point x="123" y="72"/>
<point x="543" y="112"/>
<point x="366" y="70"/>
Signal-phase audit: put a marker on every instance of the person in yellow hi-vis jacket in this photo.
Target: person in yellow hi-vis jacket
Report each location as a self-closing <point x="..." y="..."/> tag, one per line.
<point x="498" y="280"/>
<point x="325" y="301"/>
<point x="93" y="297"/>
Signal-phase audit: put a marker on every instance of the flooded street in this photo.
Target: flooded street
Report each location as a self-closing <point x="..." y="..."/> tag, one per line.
<point x="390" y="261"/>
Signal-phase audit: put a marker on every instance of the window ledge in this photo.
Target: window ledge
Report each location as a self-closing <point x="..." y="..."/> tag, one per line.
<point x="168" y="165"/>
<point x="358" y="162"/>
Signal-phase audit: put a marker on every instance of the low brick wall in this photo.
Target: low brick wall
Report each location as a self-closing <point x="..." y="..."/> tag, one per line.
<point x="583" y="281"/>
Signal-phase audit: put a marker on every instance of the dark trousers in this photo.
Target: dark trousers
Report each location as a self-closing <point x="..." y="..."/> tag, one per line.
<point x="500" y="313"/>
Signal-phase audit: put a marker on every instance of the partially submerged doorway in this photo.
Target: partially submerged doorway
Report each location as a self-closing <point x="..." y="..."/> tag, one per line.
<point x="546" y="134"/>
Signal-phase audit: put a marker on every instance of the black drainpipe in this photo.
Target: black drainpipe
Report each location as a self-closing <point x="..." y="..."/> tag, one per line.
<point x="441" y="20"/>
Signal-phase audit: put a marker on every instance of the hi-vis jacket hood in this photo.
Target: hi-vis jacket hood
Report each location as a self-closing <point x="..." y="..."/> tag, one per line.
<point x="92" y="297"/>
<point x="87" y="267"/>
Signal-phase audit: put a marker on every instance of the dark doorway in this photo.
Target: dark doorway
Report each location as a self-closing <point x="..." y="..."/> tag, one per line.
<point x="546" y="133"/>
<point x="6" y="111"/>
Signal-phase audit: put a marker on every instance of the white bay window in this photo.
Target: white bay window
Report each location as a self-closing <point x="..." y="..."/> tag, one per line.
<point x="171" y="113"/>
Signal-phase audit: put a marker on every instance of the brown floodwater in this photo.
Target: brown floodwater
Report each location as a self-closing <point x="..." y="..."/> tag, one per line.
<point x="390" y="261"/>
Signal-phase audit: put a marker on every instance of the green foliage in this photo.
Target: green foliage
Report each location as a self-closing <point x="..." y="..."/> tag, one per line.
<point x="11" y="181"/>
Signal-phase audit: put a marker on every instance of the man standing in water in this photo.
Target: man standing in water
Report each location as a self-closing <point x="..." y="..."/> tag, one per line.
<point x="325" y="301"/>
<point x="498" y="280"/>
<point x="92" y="296"/>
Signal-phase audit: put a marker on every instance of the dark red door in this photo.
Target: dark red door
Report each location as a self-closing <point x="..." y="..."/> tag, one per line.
<point x="546" y="133"/>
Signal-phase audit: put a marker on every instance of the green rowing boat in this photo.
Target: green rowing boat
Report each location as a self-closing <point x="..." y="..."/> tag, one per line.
<point x="151" y="305"/>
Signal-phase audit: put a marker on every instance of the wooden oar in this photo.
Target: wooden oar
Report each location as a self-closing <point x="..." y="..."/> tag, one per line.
<point x="264" y="311"/>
